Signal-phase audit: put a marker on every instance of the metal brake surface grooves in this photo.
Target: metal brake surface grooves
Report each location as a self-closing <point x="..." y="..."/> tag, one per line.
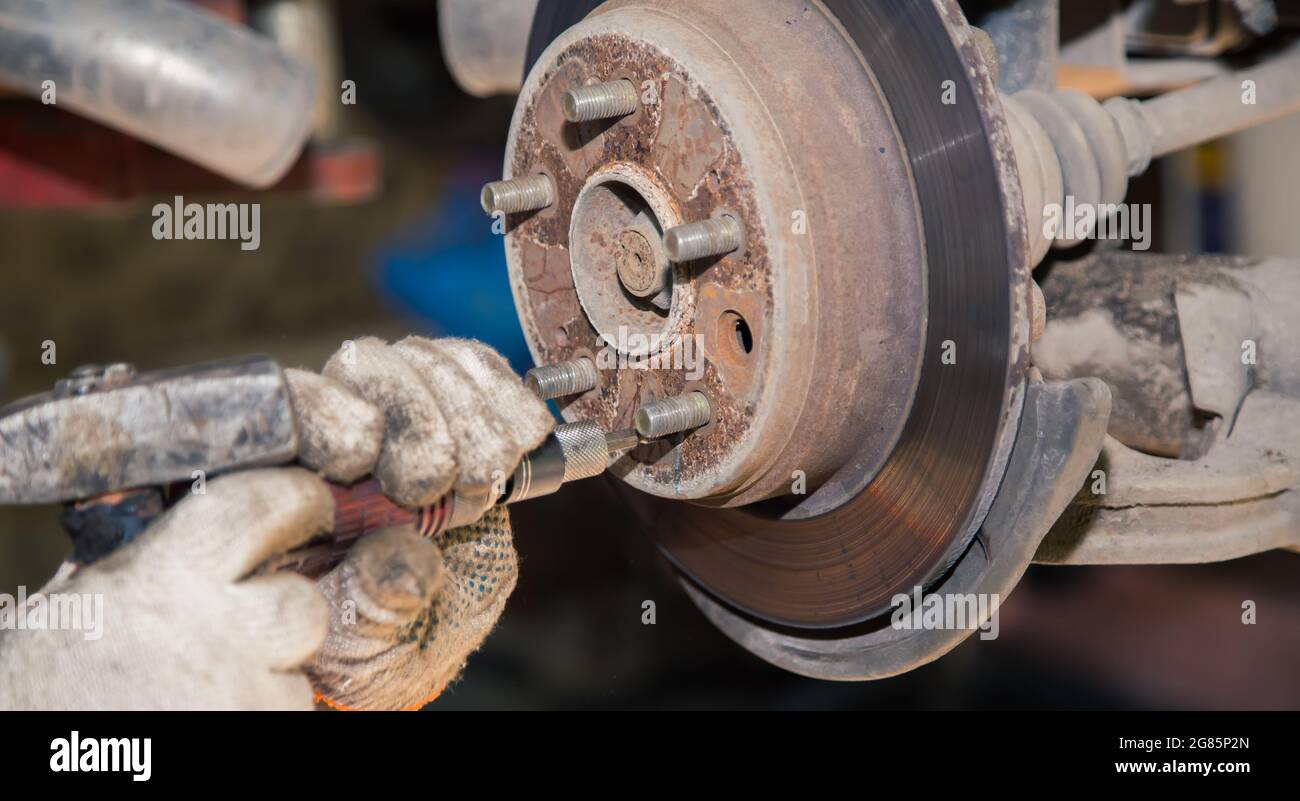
<point x="917" y="515"/>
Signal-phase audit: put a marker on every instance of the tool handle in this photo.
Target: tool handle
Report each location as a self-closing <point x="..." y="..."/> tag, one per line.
<point x="359" y="509"/>
<point x="575" y="450"/>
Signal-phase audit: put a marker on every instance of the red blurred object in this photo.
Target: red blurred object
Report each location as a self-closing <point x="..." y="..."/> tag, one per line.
<point x="50" y="158"/>
<point x="233" y="10"/>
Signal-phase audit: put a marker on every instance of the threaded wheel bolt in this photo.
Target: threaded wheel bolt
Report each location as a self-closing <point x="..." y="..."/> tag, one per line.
<point x="600" y="101"/>
<point x="518" y="195"/>
<point x="671" y="415"/>
<point x="557" y="380"/>
<point x="700" y="240"/>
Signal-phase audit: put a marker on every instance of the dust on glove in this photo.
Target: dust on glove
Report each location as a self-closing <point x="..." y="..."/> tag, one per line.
<point x="184" y="623"/>
<point x="425" y="417"/>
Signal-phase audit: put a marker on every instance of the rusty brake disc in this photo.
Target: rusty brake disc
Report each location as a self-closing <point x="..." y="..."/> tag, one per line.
<point x="876" y="527"/>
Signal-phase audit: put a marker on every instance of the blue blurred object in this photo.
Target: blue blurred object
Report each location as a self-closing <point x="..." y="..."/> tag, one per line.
<point x="449" y="269"/>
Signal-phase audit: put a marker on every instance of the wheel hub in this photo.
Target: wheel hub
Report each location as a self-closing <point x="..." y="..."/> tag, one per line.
<point x="793" y="352"/>
<point x="853" y="458"/>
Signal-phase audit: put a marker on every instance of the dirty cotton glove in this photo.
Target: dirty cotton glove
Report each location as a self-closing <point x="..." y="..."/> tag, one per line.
<point x="425" y="417"/>
<point x="406" y="614"/>
<point x="181" y="623"/>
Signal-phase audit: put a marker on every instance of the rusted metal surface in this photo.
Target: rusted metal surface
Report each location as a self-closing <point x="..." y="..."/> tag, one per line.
<point x="619" y="204"/>
<point x="912" y="449"/>
<point x="1064" y="425"/>
<point x="572" y="154"/>
<point x="814" y="172"/>
<point x="638" y="264"/>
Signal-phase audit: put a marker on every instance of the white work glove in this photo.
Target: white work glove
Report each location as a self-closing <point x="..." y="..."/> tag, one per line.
<point x="424" y="417"/>
<point x="183" y="626"/>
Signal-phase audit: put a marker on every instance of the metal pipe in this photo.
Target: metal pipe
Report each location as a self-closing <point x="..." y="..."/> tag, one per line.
<point x="484" y="43"/>
<point x="1069" y="146"/>
<point x="1216" y="108"/>
<point x="307" y="31"/>
<point x="187" y="81"/>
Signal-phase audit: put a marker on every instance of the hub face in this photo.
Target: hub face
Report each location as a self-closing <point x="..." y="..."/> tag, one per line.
<point x="807" y="340"/>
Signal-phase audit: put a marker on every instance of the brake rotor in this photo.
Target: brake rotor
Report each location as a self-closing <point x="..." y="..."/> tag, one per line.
<point x="900" y="416"/>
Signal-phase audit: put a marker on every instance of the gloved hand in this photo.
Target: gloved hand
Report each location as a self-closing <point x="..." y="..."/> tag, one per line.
<point x="424" y="417"/>
<point x="182" y="627"/>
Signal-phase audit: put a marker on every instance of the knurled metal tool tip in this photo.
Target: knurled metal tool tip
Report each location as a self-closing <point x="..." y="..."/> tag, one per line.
<point x="700" y="240"/>
<point x="518" y="195"/>
<point x="585" y="448"/>
<point x="600" y="101"/>
<point x="557" y="380"/>
<point x="671" y="415"/>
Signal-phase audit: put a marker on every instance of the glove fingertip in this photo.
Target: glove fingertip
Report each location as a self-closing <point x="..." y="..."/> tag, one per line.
<point x="416" y="486"/>
<point x="394" y="570"/>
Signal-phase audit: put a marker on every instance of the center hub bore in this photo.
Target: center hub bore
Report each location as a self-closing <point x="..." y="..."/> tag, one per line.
<point x="807" y="340"/>
<point x="620" y="270"/>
